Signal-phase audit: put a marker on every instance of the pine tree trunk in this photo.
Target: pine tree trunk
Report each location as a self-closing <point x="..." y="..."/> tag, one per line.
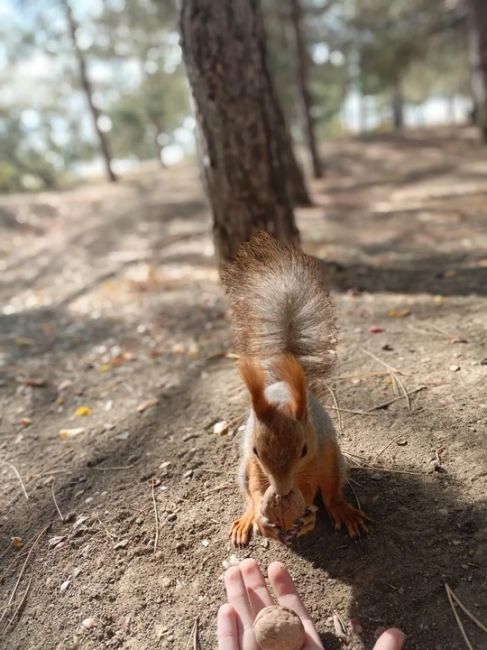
<point x="88" y="90"/>
<point x="244" y="143"/>
<point x="303" y="87"/>
<point x="397" y="106"/>
<point x="478" y="58"/>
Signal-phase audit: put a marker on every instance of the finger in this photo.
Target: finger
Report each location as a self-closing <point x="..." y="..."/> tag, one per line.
<point x="392" y="639"/>
<point x="254" y="581"/>
<point x="287" y="596"/>
<point x="227" y="628"/>
<point x="238" y="599"/>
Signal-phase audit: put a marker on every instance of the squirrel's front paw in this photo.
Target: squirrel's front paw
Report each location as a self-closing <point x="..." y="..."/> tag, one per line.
<point x="266" y="528"/>
<point x="241" y="529"/>
<point x="301" y="526"/>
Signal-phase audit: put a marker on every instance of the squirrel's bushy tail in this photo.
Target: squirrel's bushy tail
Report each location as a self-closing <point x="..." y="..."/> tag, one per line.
<point x="280" y="305"/>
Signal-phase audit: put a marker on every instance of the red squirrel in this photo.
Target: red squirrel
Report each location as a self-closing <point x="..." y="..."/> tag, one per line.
<point x="284" y="336"/>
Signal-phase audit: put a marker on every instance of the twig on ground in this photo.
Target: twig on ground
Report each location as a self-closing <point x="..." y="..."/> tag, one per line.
<point x="403" y="388"/>
<point x="457" y="618"/>
<point x="194" y="640"/>
<point x="19" y="608"/>
<point x="16" y="586"/>
<point x="396" y="371"/>
<point x="110" y="535"/>
<point x="467" y="611"/>
<point x="16" y="472"/>
<point x="55" y="503"/>
<point x="225" y="486"/>
<point x="113" y="469"/>
<point x="340" y="627"/>
<point x="337" y="408"/>
<point x="387" y="446"/>
<point x="359" y="462"/>
<point x="156" y="516"/>
<point x="361" y="375"/>
<point x="342" y="410"/>
<point x="383" y="405"/>
<point x="354" y="494"/>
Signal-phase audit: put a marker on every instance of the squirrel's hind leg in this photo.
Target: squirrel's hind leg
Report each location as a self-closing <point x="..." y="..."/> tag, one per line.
<point x="331" y="481"/>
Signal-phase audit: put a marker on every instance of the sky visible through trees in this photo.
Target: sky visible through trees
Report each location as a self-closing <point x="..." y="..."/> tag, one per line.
<point x="367" y="65"/>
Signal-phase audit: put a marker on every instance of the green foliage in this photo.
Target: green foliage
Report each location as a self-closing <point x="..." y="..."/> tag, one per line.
<point x="22" y="164"/>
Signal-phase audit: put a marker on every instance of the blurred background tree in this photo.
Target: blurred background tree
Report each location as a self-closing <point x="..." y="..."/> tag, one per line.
<point x="339" y="67"/>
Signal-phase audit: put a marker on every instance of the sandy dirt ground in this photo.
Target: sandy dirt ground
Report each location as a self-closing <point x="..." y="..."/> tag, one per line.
<point x="113" y="335"/>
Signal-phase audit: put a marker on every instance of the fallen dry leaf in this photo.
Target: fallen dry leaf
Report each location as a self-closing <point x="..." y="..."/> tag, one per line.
<point x="147" y="404"/>
<point x="81" y="411"/>
<point x="375" y="329"/>
<point x="70" y="433"/>
<point x="54" y="541"/>
<point x="398" y="313"/>
<point x="48" y="327"/>
<point x="35" y="381"/>
<point x="121" y="358"/>
<point x="23" y="342"/>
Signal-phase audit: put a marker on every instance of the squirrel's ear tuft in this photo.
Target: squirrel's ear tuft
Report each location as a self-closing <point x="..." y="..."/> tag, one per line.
<point x="289" y="370"/>
<point x="253" y="376"/>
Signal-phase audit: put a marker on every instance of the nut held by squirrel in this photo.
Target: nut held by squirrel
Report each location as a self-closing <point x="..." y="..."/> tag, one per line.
<point x="278" y="628"/>
<point x="283" y="511"/>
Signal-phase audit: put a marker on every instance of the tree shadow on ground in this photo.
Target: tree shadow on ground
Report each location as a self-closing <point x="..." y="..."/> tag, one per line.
<point x="421" y="536"/>
<point x="433" y="274"/>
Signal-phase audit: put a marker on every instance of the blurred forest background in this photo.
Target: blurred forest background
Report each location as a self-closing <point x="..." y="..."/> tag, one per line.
<point x="99" y="86"/>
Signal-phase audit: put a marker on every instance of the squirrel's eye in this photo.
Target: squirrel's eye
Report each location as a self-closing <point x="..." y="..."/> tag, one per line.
<point x="305" y="451"/>
<point x="255" y="451"/>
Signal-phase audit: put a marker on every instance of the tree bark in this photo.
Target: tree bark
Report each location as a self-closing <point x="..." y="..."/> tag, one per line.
<point x="302" y="71"/>
<point x="244" y="144"/>
<point x="88" y="90"/>
<point x="397" y="106"/>
<point x="478" y="60"/>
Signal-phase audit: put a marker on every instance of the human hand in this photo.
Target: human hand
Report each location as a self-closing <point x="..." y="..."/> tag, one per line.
<point x="247" y="594"/>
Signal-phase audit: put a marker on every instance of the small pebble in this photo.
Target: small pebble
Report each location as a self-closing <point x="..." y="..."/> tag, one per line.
<point x="221" y="428"/>
<point x="89" y="623"/>
<point x="454" y="368"/>
<point x="121" y="544"/>
<point x="64" y="586"/>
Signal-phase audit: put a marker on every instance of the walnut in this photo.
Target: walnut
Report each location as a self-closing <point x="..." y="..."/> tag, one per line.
<point x="283" y="511"/>
<point x="278" y="628"/>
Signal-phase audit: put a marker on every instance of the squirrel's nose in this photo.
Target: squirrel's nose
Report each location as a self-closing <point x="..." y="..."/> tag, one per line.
<point x="282" y="489"/>
<point x="283" y="493"/>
